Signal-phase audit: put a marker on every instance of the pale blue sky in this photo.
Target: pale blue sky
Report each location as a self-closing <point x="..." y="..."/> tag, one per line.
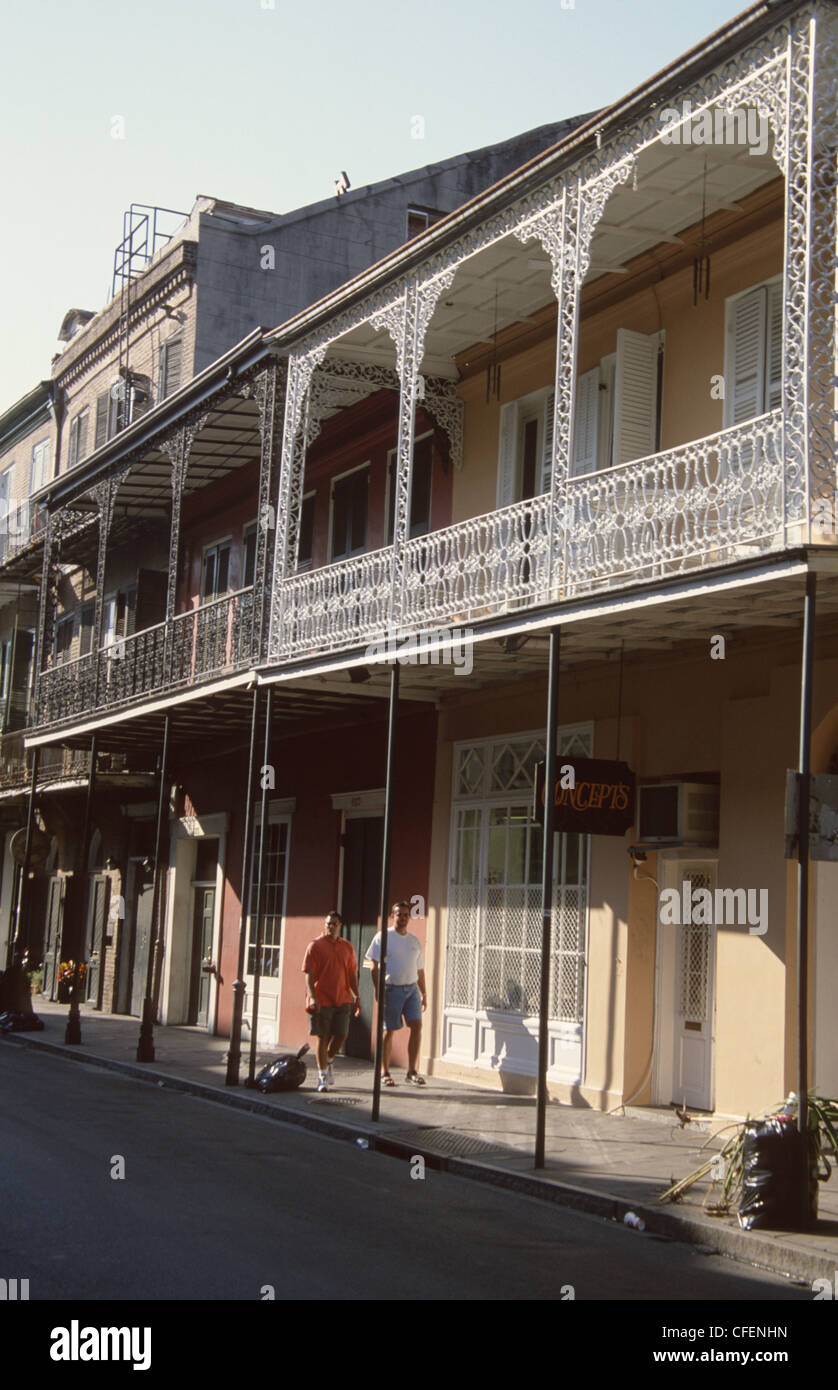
<point x="265" y="106"/>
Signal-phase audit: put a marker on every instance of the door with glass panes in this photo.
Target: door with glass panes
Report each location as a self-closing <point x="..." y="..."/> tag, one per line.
<point x="264" y="955"/>
<point x="493" y="956"/>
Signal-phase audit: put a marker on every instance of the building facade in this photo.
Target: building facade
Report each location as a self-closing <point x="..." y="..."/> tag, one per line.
<point x="595" y="402"/>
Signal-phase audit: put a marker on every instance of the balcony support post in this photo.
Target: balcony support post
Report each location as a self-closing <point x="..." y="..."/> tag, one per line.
<point x="384" y="901"/>
<point x="270" y="398"/>
<point x="21" y="903"/>
<point x="407" y="320"/>
<point x="105" y="495"/>
<point x="177" y="447"/>
<point x="48" y="603"/>
<point x="145" y="1046"/>
<point x="260" y="895"/>
<point x="78" y="899"/>
<point x="239" y="984"/>
<point x="547" y="892"/>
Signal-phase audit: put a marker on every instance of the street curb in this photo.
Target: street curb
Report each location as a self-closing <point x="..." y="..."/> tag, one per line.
<point x="747" y="1247"/>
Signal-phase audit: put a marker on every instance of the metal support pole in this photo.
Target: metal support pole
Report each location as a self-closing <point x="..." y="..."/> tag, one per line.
<point x="27" y="854"/>
<point x="145" y="1046"/>
<point x="234" y="1055"/>
<point x="72" y="1033"/>
<point x="385" y="883"/>
<point x="547" y="889"/>
<point x="803" y="860"/>
<point x="260" y="894"/>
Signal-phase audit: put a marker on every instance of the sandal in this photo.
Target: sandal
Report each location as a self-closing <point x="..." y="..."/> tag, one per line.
<point x="415" y="1078"/>
<point x="387" y="1079"/>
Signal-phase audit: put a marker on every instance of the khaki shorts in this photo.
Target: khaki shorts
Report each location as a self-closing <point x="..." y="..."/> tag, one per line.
<point x="331" y="1021"/>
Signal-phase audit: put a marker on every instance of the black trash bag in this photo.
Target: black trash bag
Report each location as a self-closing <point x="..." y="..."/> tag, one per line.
<point x="776" y="1161"/>
<point x="14" y="1022"/>
<point x="286" y="1073"/>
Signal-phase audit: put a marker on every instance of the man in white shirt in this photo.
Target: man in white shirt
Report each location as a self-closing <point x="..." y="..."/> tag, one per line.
<point x="405" y="996"/>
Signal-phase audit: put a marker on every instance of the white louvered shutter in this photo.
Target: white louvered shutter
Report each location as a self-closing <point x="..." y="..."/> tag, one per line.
<point x="774" y="353"/>
<point x="586" y="423"/>
<point x="635" y="396"/>
<point x="745" y="375"/>
<point x="508" y="456"/>
<point x="547" y="437"/>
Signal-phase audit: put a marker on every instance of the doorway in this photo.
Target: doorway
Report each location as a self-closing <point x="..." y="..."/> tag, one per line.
<point x="363" y="842"/>
<point x="203" y="921"/>
<point x="687" y="954"/>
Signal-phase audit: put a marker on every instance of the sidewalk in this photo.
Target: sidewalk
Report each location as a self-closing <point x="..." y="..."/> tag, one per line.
<point x="603" y="1164"/>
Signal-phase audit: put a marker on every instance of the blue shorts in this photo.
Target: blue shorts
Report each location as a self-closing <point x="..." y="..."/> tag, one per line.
<point x="401" y="1000"/>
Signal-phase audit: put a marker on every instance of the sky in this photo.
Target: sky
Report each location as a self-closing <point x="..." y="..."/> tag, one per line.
<point x="264" y="102"/>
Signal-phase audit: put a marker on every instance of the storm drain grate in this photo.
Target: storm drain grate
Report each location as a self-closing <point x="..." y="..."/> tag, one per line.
<point x="447" y="1142"/>
<point x="335" y="1100"/>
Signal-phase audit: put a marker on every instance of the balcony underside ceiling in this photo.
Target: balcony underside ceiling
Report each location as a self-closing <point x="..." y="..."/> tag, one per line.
<point x="508" y="282"/>
<point x="765" y="605"/>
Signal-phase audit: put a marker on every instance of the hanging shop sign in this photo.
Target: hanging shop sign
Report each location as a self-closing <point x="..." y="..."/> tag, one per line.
<point x="592" y="796"/>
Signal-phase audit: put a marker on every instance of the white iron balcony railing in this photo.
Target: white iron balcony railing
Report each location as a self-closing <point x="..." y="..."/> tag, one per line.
<point x="708" y="502"/>
<point x="209" y="641"/>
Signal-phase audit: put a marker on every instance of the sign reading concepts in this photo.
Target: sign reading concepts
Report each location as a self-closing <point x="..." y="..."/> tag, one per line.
<point x="592" y="796"/>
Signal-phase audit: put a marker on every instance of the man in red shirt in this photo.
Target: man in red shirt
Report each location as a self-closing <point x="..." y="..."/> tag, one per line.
<point x="331" y="972"/>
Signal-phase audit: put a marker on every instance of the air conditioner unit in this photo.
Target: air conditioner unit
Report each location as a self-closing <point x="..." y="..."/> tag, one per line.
<point x="678" y="813"/>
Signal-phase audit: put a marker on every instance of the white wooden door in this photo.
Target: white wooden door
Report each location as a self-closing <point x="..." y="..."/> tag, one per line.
<point x="695" y="961"/>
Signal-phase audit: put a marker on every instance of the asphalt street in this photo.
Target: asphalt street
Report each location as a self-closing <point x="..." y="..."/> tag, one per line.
<point x="219" y="1204"/>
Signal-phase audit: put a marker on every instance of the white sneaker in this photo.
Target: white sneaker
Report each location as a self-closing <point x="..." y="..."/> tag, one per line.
<point x="330" y="1075"/>
<point x="322" y="1083"/>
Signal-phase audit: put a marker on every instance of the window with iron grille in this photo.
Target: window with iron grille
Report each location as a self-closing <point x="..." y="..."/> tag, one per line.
<point x="493" y="953"/>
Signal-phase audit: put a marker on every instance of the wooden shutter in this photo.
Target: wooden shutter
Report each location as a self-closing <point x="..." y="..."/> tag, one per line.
<point x="508" y="456"/>
<point x="774" y="349"/>
<point x="745" y="374"/>
<point x="635" y="396"/>
<point x="83" y="419"/>
<point x="586" y="423"/>
<point x="21" y="673"/>
<point x="102" y="403"/>
<point x="547" y="444"/>
<point x="170" y="363"/>
<point x="73" y="447"/>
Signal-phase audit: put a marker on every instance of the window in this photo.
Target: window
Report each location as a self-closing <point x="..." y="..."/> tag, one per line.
<point x="617" y="415"/>
<point x="170" y="363"/>
<point x="526" y="447"/>
<point x="275" y="867"/>
<point x="305" y="548"/>
<point x="77" y="448"/>
<point x="754" y="352"/>
<point x="248" y="555"/>
<point x="420" y="488"/>
<point x="419" y="219"/>
<point x="215" y="571"/>
<point x="40" y="465"/>
<point x="350" y="499"/>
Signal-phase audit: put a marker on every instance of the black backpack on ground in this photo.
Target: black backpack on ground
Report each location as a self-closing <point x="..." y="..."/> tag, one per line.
<point x="286" y="1073"/>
